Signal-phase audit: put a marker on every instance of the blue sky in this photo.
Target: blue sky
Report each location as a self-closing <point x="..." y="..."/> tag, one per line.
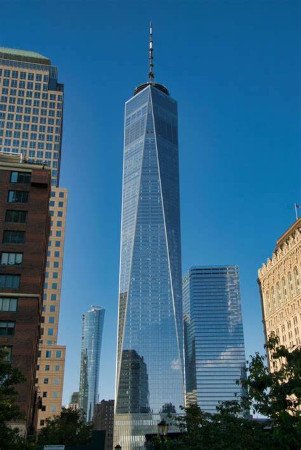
<point x="235" y="69"/>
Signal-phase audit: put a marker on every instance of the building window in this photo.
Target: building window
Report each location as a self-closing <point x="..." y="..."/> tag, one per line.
<point x="47" y="367"/>
<point x="48" y="353"/>
<point x="53" y="297"/>
<point x="58" y="354"/>
<point x="57" y="368"/>
<point x="50" y="331"/>
<point x="51" y="320"/>
<point x="53" y="408"/>
<point x="20" y="177"/>
<point x="45" y="394"/>
<point x="15" y="216"/>
<point x="13" y="237"/>
<point x="7" y="328"/>
<point x="46" y="380"/>
<point x="56" y="381"/>
<point x="10" y="259"/>
<point x="8" y="304"/>
<point x="42" y="422"/>
<point x="9" y="281"/>
<point x="17" y="196"/>
<point x="52" y="308"/>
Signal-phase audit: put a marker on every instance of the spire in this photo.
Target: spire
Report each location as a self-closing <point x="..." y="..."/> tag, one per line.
<point x="151" y="75"/>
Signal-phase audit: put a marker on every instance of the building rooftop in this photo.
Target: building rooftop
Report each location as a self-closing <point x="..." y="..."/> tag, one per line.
<point x="296" y="225"/>
<point x="23" y="55"/>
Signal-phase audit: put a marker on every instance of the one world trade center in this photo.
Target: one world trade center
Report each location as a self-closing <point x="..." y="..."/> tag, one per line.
<point x="149" y="369"/>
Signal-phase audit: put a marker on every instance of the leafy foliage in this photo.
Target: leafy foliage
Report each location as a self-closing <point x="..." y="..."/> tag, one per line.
<point x="275" y="394"/>
<point x="9" y="410"/>
<point x="68" y="428"/>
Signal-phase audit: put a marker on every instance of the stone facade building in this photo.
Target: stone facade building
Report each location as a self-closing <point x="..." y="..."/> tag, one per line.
<point x="279" y="282"/>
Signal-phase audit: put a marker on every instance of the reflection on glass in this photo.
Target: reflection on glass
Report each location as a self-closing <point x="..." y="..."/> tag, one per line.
<point x="214" y="341"/>
<point x="92" y="327"/>
<point x="150" y="339"/>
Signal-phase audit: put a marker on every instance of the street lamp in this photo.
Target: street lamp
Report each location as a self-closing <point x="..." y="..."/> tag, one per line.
<point x="163" y="428"/>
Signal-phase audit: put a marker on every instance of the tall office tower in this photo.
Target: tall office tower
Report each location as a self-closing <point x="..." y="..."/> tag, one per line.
<point x="279" y="282"/>
<point x="213" y="335"/>
<point x="24" y="231"/>
<point x="103" y="420"/>
<point x="92" y="328"/>
<point x="149" y="369"/>
<point x="31" y="115"/>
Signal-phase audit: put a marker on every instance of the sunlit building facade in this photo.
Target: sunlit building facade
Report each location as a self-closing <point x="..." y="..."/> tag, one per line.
<point x="279" y="282"/>
<point x="149" y="372"/>
<point x="31" y="123"/>
<point x="92" y="330"/>
<point x="213" y="335"/>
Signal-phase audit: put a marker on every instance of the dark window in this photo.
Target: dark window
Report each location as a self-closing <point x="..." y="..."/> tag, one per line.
<point x="42" y="422"/>
<point x="20" y="177"/>
<point x="15" y="216"/>
<point x="7" y="328"/>
<point x="17" y="196"/>
<point x="43" y="408"/>
<point x="10" y="259"/>
<point x="9" y="281"/>
<point x="45" y="394"/>
<point x="13" y="237"/>
<point x="8" y="304"/>
<point x="45" y="380"/>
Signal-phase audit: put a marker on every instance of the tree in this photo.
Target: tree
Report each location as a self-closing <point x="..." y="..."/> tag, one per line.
<point x="9" y="410"/>
<point x="68" y="428"/>
<point x="276" y="394"/>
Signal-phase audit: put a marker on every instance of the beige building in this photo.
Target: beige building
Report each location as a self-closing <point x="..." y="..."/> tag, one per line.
<point x="279" y="281"/>
<point x="31" y="123"/>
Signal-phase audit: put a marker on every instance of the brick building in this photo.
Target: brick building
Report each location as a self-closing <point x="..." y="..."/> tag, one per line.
<point x="24" y="230"/>
<point x="103" y="420"/>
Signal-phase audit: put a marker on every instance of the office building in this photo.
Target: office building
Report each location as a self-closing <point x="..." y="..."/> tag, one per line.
<point x="92" y="329"/>
<point x="213" y="335"/>
<point x="31" y="120"/>
<point x="279" y="282"/>
<point x="150" y="339"/>
<point x="103" y="420"/>
<point x="24" y="230"/>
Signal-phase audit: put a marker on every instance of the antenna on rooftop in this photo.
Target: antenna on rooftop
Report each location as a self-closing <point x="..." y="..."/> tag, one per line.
<point x="151" y="75"/>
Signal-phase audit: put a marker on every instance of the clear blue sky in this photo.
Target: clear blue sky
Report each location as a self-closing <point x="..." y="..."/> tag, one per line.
<point x="235" y="68"/>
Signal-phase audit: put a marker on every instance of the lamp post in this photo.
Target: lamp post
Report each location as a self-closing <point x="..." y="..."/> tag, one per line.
<point x="163" y="428"/>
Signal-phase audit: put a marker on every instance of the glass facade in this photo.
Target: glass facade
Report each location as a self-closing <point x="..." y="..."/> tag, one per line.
<point x="149" y="377"/>
<point x="214" y="340"/>
<point x="92" y="328"/>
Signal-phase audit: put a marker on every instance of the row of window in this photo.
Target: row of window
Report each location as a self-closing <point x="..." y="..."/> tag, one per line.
<point x="34" y="137"/>
<point x="51" y="353"/>
<point x="29" y="117"/>
<point x="24" y="75"/>
<point x="25" y="126"/>
<point x="47" y="368"/>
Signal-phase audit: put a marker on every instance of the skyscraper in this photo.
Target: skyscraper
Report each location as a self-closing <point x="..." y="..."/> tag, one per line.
<point x="213" y="335"/>
<point x="279" y="282"/>
<point x="149" y="370"/>
<point x="92" y="328"/>
<point x="31" y="123"/>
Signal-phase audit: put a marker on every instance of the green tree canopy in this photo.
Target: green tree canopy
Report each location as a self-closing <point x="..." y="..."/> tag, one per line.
<point x="68" y="428"/>
<point x="9" y="410"/>
<point x="274" y="394"/>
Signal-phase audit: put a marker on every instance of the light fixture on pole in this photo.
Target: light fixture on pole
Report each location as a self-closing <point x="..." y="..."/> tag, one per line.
<point x="163" y="428"/>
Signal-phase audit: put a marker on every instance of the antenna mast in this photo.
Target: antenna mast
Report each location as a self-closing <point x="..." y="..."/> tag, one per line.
<point x="151" y="75"/>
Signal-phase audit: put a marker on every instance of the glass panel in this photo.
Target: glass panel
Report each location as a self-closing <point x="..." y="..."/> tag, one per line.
<point x="149" y="354"/>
